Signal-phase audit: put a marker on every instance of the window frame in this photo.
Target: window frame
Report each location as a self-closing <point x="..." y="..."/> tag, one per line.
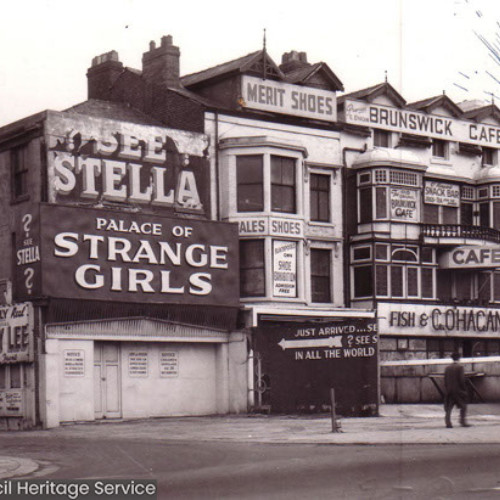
<point x="328" y="277"/>
<point x="253" y="268"/>
<point x="329" y="190"/>
<point x="443" y="155"/>
<point x="19" y="168"/>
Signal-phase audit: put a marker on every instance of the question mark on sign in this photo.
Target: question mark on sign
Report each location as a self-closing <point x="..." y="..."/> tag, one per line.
<point x="29" y="273"/>
<point x="27" y="218"/>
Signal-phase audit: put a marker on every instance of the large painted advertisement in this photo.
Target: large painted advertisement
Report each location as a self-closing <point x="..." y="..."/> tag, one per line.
<point x="122" y="256"/>
<point x="106" y="162"/>
<point x="302" y="362"/>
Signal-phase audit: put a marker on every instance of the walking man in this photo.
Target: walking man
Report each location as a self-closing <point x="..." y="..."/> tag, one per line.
<point x="455" y="392"/>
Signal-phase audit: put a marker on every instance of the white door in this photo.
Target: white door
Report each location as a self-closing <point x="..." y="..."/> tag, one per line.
<point x="107" y="380"/>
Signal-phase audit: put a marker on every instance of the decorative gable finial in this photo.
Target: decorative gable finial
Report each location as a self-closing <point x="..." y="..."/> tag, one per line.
<point x="385" y="76"/>
<point x="264" y="49"/>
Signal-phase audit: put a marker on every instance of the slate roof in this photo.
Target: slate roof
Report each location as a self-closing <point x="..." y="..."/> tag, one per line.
<point x="431" y="103"/>
<point x="113" y="111"/>
<point x="370" y="93"/>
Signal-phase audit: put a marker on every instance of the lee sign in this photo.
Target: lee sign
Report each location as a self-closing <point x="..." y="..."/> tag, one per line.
<point x="157" y="168"/>
<point x="16" y="333"/>
<point x="278" y="97"/>
<point x="471" y="257"/>
<point x="110" y="255"/>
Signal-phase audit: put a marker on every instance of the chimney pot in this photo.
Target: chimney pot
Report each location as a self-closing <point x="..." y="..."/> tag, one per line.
<point x="161" y="64"/>
<point x="152" y="45"/>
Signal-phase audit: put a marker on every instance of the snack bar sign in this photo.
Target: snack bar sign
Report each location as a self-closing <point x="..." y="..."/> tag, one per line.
<point x="110" y="255"/>
<point x="16" y="333"/>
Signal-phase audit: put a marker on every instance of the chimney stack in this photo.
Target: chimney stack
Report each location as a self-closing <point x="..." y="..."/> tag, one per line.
<point x="160" y="65"/>
<point x="293" y="60"/>
<point x="102" y="74"/>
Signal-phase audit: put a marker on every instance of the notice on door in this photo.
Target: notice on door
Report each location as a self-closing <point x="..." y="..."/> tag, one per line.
<point x="11" y="403"/>
<point x="169" y="364"/>
<point x="74" y="363"/>
<point x="138" y="364"/>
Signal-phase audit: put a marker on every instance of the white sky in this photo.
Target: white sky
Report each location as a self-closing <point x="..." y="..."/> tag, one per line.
<point x="46" y="46"/>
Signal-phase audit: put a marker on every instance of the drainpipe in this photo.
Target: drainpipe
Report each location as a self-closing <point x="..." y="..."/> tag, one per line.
<point x="217" y="178"/>
<point x="347" y="267"/>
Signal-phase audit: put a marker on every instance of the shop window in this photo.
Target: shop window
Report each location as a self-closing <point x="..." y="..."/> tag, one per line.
<point x="321" y="282"/>
<point x="3" y="376"/>
<point x="412" y="281"/>
<point x="363" y="283"/>
<point x="463" y="286"/>
<point x="19" y="172"/>
<point x="402" y="344"/>
<point x="319" y="195"/>
<point x="440" y="149"/>
<point x="488" y="157"/>
<point x="484" y="291"/>
<point x="283" y="184"/>
<point x="381" y="138"/>
<point x="404" y="178"/>
<point x="496" y="287"/>
<point x="252" y="268"/>
<point x="249" y="178"/>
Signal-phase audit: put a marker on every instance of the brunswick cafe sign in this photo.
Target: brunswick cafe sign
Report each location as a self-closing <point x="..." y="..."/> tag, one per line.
<point x="418" y="123"/>
<point x="433" y="320"/>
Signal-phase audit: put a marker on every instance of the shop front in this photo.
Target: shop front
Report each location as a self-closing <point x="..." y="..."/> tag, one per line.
<point x="416" y="343"/>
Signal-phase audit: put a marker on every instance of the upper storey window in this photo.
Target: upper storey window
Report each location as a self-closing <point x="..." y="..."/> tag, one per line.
<point x="381" y="138"/>
<point x="440" y="149"/>
<point x="283" y="184"/>
<point x="250" y="181"/>
<point x="19" y="172"/>
<point x="319" y="197"/>
<point x="489" y="157"/>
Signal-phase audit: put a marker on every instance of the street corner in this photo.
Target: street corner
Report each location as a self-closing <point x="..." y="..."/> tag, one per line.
<point x="14" y="467"/>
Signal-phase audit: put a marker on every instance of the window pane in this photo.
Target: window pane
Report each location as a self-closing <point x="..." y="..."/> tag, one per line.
<point x="496" y="215"/>
<point x="381" y="203"/>
<point x="363" y="281"/>
<point x="320" y="275"/>
<point x="3" y="371"/>
<point x="320" y="197"/>
<point x="397" y="281"/>
<point x="450" y="215"/>
<point x="365" y="205"/>
<point x="252" y="268"/>
<point x="412" y="282"/>
<point x="466" y="214"/>
<point x="431" y="214"/>
<point x="381" y="252"/>
<point x="19" y="171"/>
<point x="496" y="286"/>
<point x="15" y="376"/>
<point x="484" y="214"/>
<point x="381" y="138"/>
<point x="282" y="184"/>
<point x="427" y="283"/>
<point x="484" y="286"/>
<point x="439" y="148"/>
<point x="426" y="254"/>
<point x="381" y="283"/>
<point x="249" y="178"/>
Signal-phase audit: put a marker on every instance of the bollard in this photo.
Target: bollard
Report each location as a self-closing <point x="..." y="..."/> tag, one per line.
<point x="335" y="423"/>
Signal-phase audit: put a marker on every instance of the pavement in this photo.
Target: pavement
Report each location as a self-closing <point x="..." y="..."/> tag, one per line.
<point x="395" y="425"/>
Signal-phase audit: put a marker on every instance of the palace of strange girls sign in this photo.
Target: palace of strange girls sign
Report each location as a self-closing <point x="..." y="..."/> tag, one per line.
<point x="88" y="253"/>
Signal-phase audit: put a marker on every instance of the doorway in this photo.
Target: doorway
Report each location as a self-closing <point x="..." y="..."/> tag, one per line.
<point x="107" y="380"/>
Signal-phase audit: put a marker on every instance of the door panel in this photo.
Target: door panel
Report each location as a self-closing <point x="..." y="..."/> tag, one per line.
<point x="107" y="384"/>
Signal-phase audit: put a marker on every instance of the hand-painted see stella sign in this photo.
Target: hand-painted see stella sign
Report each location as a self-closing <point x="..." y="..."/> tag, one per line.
<point x="111" y="255"/>
<point x="127" y="163"/>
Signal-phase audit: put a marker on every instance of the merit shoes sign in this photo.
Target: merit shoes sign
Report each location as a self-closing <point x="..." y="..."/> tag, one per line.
<point x="279" y="97"/>
<point x="418" y="123"/>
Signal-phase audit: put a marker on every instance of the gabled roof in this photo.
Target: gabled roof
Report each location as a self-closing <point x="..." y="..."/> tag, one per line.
<point x="440" y="101"/>
<point x="370" y="93"/>
<point x="114" y="111"/>
<point x="479" y="114"/>
<point x="303" y="75"/>
<point x="252" y="63"/>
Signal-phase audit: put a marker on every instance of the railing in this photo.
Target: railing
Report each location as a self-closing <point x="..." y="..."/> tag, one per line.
<point x="460" y="231"/>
